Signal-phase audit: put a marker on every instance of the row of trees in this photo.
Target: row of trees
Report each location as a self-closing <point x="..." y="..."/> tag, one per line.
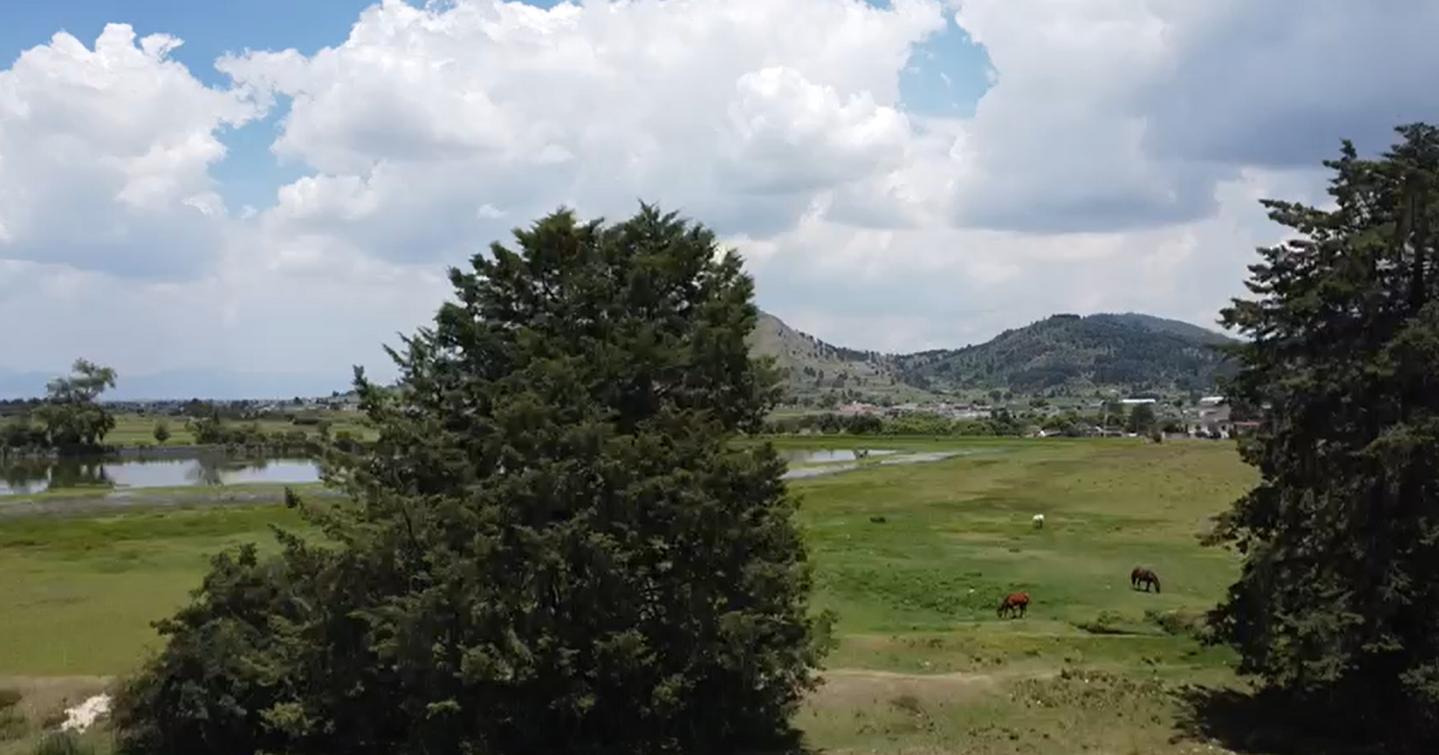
<point x="250" y="437"/>
<point x="1139" y="419"/>
<point x="911" y="423"/>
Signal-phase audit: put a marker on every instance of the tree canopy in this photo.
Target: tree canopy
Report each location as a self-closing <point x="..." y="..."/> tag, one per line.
<point x="71" y="415"/>
<point x="553" y="544"/>
<point x="1337" y="601"/>
<point x="1141" y="419"/>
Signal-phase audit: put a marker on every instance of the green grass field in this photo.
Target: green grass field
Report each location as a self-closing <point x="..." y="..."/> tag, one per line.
<point x="139" y="430"/>
<point x="922" y="663"/>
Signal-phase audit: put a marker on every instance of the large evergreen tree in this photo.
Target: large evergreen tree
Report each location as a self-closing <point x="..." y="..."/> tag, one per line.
<point x="554" y="545"/>
<point x="1338" y="602"/>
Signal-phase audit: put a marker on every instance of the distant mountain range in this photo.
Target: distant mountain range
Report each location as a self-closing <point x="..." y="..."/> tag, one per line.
<point x="196" y="383"/>
<point x="1062" y="354"/>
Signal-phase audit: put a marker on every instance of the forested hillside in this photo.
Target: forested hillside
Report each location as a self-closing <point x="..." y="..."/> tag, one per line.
<point x="1060" y="354"/>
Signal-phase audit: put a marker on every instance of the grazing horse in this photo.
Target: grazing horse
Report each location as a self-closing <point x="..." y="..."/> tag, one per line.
<point x="1015" y="601"/>
<point x="1143" y="576"/>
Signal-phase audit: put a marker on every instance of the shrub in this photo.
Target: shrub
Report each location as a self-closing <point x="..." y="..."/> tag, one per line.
<point x="63" y="743"/>
<point x="9" y="698"/>
<point x="1175" y="622"/>
<point x="12" y="724"/>
<point x="1107" y="622"/>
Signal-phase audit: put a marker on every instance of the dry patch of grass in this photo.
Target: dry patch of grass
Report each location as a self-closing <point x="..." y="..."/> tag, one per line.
<point x="37" y="706"/>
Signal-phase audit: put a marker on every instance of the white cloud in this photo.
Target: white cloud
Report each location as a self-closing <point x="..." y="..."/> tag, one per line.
<point x="301" y="312"/>
<point x="1117" y="114"/>
<point x="790" y="135"/>
<point x="740" y="112"/>
<point x="942" y="286"/>
<point x="1114" y="163"/>
<point x="104" y="156"/>
<point x="1263" y="84"/>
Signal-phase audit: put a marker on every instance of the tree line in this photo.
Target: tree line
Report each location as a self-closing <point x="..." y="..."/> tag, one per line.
<point x="909" y="423"/>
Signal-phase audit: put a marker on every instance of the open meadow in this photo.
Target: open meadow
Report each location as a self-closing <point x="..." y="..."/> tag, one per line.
<point x="912" y="558"/>
<point x="139" y="429"/>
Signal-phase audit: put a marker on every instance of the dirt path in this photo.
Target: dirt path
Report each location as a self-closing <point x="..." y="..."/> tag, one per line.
<point x="861" y="688"/>
<point x="854" y="687"/>
<point x="45" y="697"/>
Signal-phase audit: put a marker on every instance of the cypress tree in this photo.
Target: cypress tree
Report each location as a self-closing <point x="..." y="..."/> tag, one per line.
<point x="554" y="546"/>
<point x="1338" y="601"/>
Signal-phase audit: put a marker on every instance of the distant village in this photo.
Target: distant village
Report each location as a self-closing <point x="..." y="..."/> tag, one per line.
<point x="1208" y="417"/>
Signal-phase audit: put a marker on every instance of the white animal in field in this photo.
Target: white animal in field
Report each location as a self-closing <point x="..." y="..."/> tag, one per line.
<point x="82" y="716"/>
<point x="1038" y="521"/>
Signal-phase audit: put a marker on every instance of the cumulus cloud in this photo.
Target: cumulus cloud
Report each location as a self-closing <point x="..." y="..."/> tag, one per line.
<point x="942" y="286"/>
<point x="105" y="153"/>
<point x="740" y="112"/>
<point x="1115" y="114"/>
<point x="790" y="135"/>
<point x="1261" y="84"/>
<point x="1114" y="163"/>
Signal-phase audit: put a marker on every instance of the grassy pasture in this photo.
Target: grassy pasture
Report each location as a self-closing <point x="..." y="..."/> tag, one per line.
<point x="922" y="664"/>
<point x="139" y="429"/>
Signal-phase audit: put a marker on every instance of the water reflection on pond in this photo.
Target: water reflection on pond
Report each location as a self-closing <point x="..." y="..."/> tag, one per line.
<point x="814" y="456"/>
<point x="834" y="462"/>
<point x="37" y="476"/>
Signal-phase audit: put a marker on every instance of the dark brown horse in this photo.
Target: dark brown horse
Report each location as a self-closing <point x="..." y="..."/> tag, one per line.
<point x="1015" y="601"/>
<point x="1143" y="576"/>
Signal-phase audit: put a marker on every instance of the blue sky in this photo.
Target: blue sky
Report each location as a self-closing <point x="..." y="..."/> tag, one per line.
<point x="891" y="184"/>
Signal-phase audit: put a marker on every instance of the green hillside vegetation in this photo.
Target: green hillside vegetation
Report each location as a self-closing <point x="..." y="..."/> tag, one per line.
<point x="1164" y="325"/>
<point x="1060" y="355"/>
<point x="1136" y="352"/>
<point x="814" y="371"/>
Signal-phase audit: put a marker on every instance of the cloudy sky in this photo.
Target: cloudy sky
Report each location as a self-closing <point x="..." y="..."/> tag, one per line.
<point x="268" y="191"/>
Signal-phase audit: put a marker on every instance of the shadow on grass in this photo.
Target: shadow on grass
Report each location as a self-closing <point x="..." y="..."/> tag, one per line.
<point x="1268" y="723"/>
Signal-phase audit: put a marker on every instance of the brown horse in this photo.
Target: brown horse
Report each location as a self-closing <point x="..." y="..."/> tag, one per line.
<point x="1015" y="601"/>
<point x="1143" y="576"/>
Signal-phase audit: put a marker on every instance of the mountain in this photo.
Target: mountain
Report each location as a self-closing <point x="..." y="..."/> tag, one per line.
<point x="812" y="367"/>
<point x="1071" y="353"/>
<point x="1065" y="354"/>
<point x="22" y="384"/>
<point x="1060" y="354"/>
<point x="1162" y="325"/>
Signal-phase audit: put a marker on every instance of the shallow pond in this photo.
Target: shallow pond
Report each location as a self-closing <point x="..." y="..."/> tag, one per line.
<point x="834" y="462"/>
<point x="826" y="456"/>
<point x="36" y="476"/>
